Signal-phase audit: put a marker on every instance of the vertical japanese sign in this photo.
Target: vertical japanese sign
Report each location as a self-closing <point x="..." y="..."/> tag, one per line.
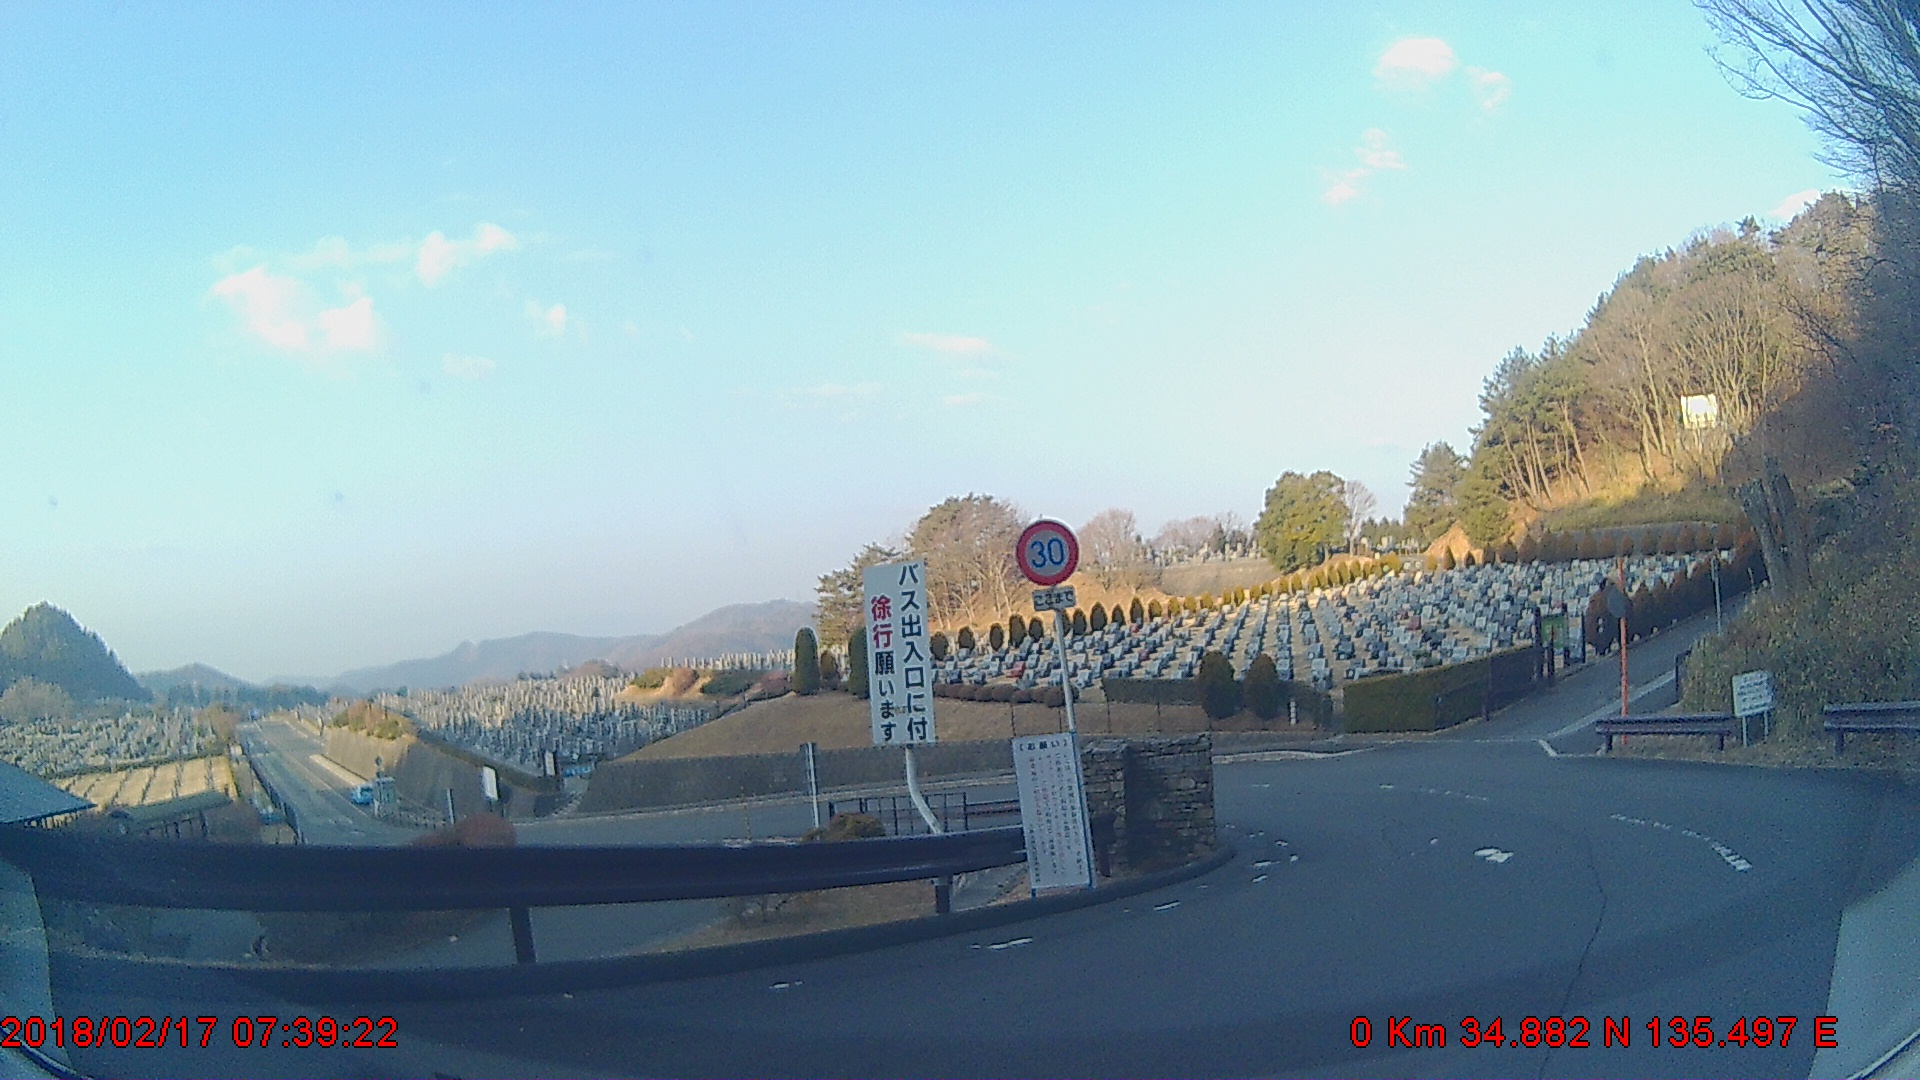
<point x="899" y="668"/>
<point x="1053" y="811"/>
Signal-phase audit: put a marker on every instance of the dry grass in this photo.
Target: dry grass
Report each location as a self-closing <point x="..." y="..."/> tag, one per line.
<point x="1883" y="753"/>
<point x="838" y="721"/>
<point x="760" y="918"/>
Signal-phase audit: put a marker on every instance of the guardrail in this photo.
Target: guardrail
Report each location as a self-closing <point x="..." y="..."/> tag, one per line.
<point x="1720" y="724"/>
<point x="245" y="877"/>
<point x="1870" y="717"/>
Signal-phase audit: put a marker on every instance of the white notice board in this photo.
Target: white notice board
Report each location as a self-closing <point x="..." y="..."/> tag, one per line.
<point x="899" y="663"/>
<point x="1053" y="812"/>
<point x="1752" y="693"/>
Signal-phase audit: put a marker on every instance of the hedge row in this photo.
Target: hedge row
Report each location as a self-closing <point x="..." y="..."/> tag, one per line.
<point x="1050" y="696"/>
<point x="1434" y="698"/>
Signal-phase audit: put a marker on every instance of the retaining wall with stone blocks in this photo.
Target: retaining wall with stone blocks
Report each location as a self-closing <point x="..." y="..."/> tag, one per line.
<point x="1158" y="792"/>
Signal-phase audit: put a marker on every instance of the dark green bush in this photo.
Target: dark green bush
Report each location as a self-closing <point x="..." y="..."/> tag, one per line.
<point x="1262" y="687"/>
<point x="806" y="663"/>
<point x="1219" y="690"/>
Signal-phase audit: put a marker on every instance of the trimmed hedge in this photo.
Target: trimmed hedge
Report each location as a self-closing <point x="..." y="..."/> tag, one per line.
<point x="1436" y="697"/>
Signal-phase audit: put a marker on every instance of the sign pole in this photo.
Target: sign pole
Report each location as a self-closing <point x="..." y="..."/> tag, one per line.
<point x="919" y="800"/>
<point x="1621" y="565"/>
<point x="1066" y="682"/>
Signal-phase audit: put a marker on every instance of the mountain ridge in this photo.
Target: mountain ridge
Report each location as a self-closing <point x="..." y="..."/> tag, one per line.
<point x="759" y="627"/>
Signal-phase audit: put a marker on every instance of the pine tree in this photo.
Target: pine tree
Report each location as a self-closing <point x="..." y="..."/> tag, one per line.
<point x="965" y="638"/>
<point x="1261" y="687"/>
<point x="1079" y="623"/>
<point x="937" y="645"/>
<point x="1097" y="621"/>
<point x="996" y="637"/>
<point x="1136" y="614"/>
<point x="806" y="663"/>
<point x="1016" y="631"/>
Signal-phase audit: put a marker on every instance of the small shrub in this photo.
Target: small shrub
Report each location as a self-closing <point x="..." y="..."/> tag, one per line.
<point x="729" y="683"/>
<point x="1261" y="687"/>
<point x="1219" y="691"/>
<point x="846" y="827"/>
<point x="650" y="679"/>
<point x="965" y="638"/>
<point x="1097" y="621"/>
<point x="1136" y="614"/>
<point x="806" y="663"/>
<point x="996" y="637"/>
<point x="1079" y="622"/>
<point x="938" y="645"/>
<point x="857" y="662"/>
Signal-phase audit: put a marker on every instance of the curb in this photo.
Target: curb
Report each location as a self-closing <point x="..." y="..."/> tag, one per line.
<point x="187" y="979"/>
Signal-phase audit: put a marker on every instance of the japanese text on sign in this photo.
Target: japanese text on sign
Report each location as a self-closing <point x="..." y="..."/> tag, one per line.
<point x="1053" y="811"/>
<point x="899" y="667"/>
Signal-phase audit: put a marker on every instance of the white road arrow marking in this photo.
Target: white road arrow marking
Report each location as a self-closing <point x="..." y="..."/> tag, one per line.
<point x="1494" y="854"/>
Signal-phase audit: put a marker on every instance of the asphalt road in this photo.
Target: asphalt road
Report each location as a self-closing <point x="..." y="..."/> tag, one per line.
<point x="285" y="755"/>
<point x="1482" y="874"/>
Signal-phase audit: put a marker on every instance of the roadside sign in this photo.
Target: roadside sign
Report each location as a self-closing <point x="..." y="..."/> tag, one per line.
<point x="1047" y="552"/>
<point x="1752" y="693"/>
<point x="1058" y="598"/>
<point x="899" y="668"/>
<point x="490" y="783"/>
<point x="1053" y="812"/>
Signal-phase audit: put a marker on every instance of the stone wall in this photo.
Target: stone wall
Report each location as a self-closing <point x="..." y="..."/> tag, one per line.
<point x="1157" y="792"/>
<point x="423" y="774"/>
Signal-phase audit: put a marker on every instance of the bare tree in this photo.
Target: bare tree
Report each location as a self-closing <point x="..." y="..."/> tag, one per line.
<point x="968" y="545"/>
<point x="1111" y="548"/>
<point x="1360" y="504"/>
<point x="1853" y="65"/>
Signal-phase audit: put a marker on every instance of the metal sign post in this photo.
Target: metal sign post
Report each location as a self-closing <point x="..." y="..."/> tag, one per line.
<point x="1047" y="768"/>
<point x="1617" y="606"/>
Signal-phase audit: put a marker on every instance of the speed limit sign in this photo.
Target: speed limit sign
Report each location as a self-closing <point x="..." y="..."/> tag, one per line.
<point x="1047" y="552"/>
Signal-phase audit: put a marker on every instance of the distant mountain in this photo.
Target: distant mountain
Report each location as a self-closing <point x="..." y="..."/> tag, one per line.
<point x="197" y="684"/>
<point x="47" y="645"/>
<point x="193" y="676"/>
<point x="737" y="628"/>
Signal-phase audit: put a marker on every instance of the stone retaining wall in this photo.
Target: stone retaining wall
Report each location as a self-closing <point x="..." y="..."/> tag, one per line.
<point x="1158" y="791"/>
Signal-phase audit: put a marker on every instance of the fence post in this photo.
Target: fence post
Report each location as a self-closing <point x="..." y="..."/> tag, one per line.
<point x="522" y="920"/>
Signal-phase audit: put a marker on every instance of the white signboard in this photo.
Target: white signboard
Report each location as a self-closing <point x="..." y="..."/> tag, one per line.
<point x="1058" y="598"/>
<point x="1700" y="411"/>
<point x="899" y="663"/>
<point x="1053" y="812"/>
<point x="1752" y="693"/>
<point x="489" y="783"/>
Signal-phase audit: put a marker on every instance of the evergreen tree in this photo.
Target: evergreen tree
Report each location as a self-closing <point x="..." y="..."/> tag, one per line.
<point x="857" y="663"/>
<point x="1016" y="630"/>
<point x="1097" y="621"/>
<point x="965" y="638"/>
<point x="1155" y="610"/>
<point x="937" y="645"/>
<point x="1261" y="688"/>
<point x="806" y="663"/>
<point x="1219" y="691"/>
<point x="830" y="668"/>
<point x="1079" y="623"/>
<point x="996" y="637"/>
<point x="1136" y="614"/>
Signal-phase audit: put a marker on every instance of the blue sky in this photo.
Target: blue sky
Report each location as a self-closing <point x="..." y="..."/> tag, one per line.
<point x="334" y="334"/>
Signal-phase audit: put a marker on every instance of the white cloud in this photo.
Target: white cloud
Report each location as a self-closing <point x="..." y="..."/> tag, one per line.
<point x="952" y="344"/>
<point x="1490" y="88"/>
<point x="282" y="312"/>
<point x="351" y="328"/>
<point x="1374" y="153"/>
<point x="440" y="256"/>
<point x="1415" y="63"/>
<point x="1794" y="203"/>
<point x="268" y="305"/>
<point x="552" y="319"/>
<point x="467" y="367"/>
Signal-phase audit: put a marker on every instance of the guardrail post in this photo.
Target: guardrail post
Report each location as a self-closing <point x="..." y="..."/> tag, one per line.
<point x="522" y="920"/>
<point x="943" y="895"/>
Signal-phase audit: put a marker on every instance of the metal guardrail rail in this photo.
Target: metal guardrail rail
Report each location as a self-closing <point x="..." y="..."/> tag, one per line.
<point x="1720" y="724"/>
<point x="1870" y="717"/>
<point x="237" y="877"/>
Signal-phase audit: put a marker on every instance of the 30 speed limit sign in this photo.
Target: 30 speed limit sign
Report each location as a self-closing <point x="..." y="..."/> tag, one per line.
<point x="1047" y="552"/>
